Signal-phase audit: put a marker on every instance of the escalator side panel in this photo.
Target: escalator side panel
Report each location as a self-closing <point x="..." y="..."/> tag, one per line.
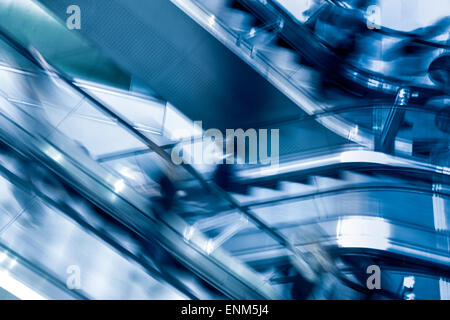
<point x="188" y="66"/>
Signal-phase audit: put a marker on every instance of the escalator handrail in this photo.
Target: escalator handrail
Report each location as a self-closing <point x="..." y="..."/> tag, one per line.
<point x="354" y="187"/>
<point x="362" y="76"/>
<point x="435" y="256"/>
<point x="351" y="156"/>
<point x="44" y="273"/>
<point x="400" y="34"/>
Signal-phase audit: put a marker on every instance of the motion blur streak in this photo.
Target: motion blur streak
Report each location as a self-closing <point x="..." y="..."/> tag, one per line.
<point x="96" y="98"/>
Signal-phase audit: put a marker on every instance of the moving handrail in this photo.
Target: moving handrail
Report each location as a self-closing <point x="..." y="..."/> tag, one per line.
<point x="403" y="240"/>
<point x="275" y="9"/>
<point x="349" y="156"/>
<point x="397" y="33"/>
<point x="54" y="282"/>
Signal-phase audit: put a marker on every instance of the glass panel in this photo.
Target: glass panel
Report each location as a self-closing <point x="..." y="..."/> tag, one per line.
<point x="45" y="237"/>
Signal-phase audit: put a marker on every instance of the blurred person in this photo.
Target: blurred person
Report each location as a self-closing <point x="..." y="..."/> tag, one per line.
<point x="410" y="56"/>
<point x="163" y="177"/>
<point x="224" y="176"/>
<point x="168" y="191"/>
<point x="340" y="29"/>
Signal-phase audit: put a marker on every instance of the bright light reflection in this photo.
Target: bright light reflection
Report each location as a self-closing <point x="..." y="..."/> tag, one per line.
<point x="408" y="282"/>
<point x="119" y="186"/>
<point x="212" y="20"/>
<point x="353" y="133"/>
<point x="210" y="246"/>
<point x="363" y="232"/>
<point x="188" y="233"/>
<point x="12" y="264"/>
<point x="128" y="173"/>
<point x="54" y="154"/>
<point x="17" y="288"/>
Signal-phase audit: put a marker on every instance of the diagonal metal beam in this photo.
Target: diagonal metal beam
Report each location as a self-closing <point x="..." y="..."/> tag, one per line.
<point x="385" y="141"/>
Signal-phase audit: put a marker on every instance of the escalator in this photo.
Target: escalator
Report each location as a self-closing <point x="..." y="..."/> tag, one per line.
<point x="113" y="195"/>
<point x="24" y="280"/>
<point x="45" y="243"/>
<point x="294" y="49"/>
<point x="220" y="257"/>
<point x="290" y="56"/>
<point x="192" y="69"/>
<point x="347" y="203"/>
